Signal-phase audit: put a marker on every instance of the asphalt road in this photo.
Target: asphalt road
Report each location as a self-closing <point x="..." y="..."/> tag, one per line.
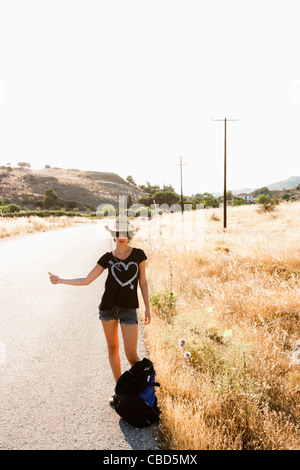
<point x="55" y="375"/>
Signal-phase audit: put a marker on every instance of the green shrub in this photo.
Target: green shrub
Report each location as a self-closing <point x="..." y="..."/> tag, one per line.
<point x="11" y="208"/>
<point x="267" y="204"/>
<point x="164" y="304"/>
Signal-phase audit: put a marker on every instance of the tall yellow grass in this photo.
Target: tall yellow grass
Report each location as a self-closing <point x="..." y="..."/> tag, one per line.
<point x="18" y="226"/>
<point x="237" y="309"/>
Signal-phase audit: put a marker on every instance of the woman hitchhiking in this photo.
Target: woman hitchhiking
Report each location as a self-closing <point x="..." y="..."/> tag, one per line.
<point x="119" y="303"/>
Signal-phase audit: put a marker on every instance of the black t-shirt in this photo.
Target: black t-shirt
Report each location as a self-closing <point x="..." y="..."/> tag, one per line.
<point x="121" y="283"/>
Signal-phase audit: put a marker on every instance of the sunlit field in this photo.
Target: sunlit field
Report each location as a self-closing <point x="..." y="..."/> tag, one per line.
<point x="225" y="308"/>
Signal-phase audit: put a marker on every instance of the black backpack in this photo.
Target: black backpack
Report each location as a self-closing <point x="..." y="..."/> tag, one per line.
<point x="135" y="400"/>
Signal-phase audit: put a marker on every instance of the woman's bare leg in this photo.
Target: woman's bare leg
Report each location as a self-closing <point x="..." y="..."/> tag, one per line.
<point x="112" y="339"/>
<point x="130" y="339"/>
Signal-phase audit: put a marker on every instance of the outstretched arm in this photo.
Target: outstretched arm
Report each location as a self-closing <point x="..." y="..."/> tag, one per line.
<point x="80" y="281"/>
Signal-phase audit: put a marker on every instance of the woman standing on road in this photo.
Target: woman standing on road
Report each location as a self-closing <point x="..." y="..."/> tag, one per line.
<point x="119" y="303"/>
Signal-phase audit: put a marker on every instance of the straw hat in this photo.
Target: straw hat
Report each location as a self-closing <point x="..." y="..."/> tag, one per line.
<point x="121" y="224"/>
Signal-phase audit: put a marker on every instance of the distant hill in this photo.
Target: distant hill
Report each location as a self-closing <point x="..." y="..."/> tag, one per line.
<point x="284" y="190"/>
<point x="288" y="183"/>
<point x="85" y="188"/>
<point x="291" y="194"/>
<point x="291" y="182"/>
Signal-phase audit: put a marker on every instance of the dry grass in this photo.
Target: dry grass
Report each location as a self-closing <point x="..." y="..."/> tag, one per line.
<point x="11" y="227"/>
<point x="237" y="308"/>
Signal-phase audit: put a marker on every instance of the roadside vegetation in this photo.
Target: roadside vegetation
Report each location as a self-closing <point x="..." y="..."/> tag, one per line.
<point x="225" y="321"/>
<point x="18" y="226"/>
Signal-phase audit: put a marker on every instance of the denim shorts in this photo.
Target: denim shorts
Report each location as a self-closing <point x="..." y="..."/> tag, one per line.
<point x="127" y="316"/>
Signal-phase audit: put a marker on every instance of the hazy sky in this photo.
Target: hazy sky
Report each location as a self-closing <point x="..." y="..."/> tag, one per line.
<point x="128" y="86"/>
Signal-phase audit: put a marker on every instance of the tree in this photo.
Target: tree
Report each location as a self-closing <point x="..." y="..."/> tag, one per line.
<point x="209" y="200"/>
<point x="50" y="192"/>
<point x="229" y="196"/>
<point x="24" y="165"/>
<point x="49" y="198"/>
<point x="48" y="202"/>
<point x="165" y="197"/>
<point x="264" y="190"/>
<point x="197" y="197"/>
<point x="130" y="180"/>
<point x="150" y="189"/>
<point x="146" y="201"/>
<point x="168" y="188"/>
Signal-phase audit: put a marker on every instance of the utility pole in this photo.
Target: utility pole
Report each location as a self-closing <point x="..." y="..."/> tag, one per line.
<point x="181" y="190"/>
<point x="181" y="194"/>
<point x="225" y="172"/>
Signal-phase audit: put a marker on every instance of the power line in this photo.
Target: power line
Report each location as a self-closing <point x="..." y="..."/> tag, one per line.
<point x="225" y="170"/>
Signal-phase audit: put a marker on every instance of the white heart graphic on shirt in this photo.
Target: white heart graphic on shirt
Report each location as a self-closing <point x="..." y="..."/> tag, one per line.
<point x="126" y="266"/>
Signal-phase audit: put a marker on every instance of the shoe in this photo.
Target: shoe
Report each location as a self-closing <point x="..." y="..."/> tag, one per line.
<point x="112" y="400"/>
